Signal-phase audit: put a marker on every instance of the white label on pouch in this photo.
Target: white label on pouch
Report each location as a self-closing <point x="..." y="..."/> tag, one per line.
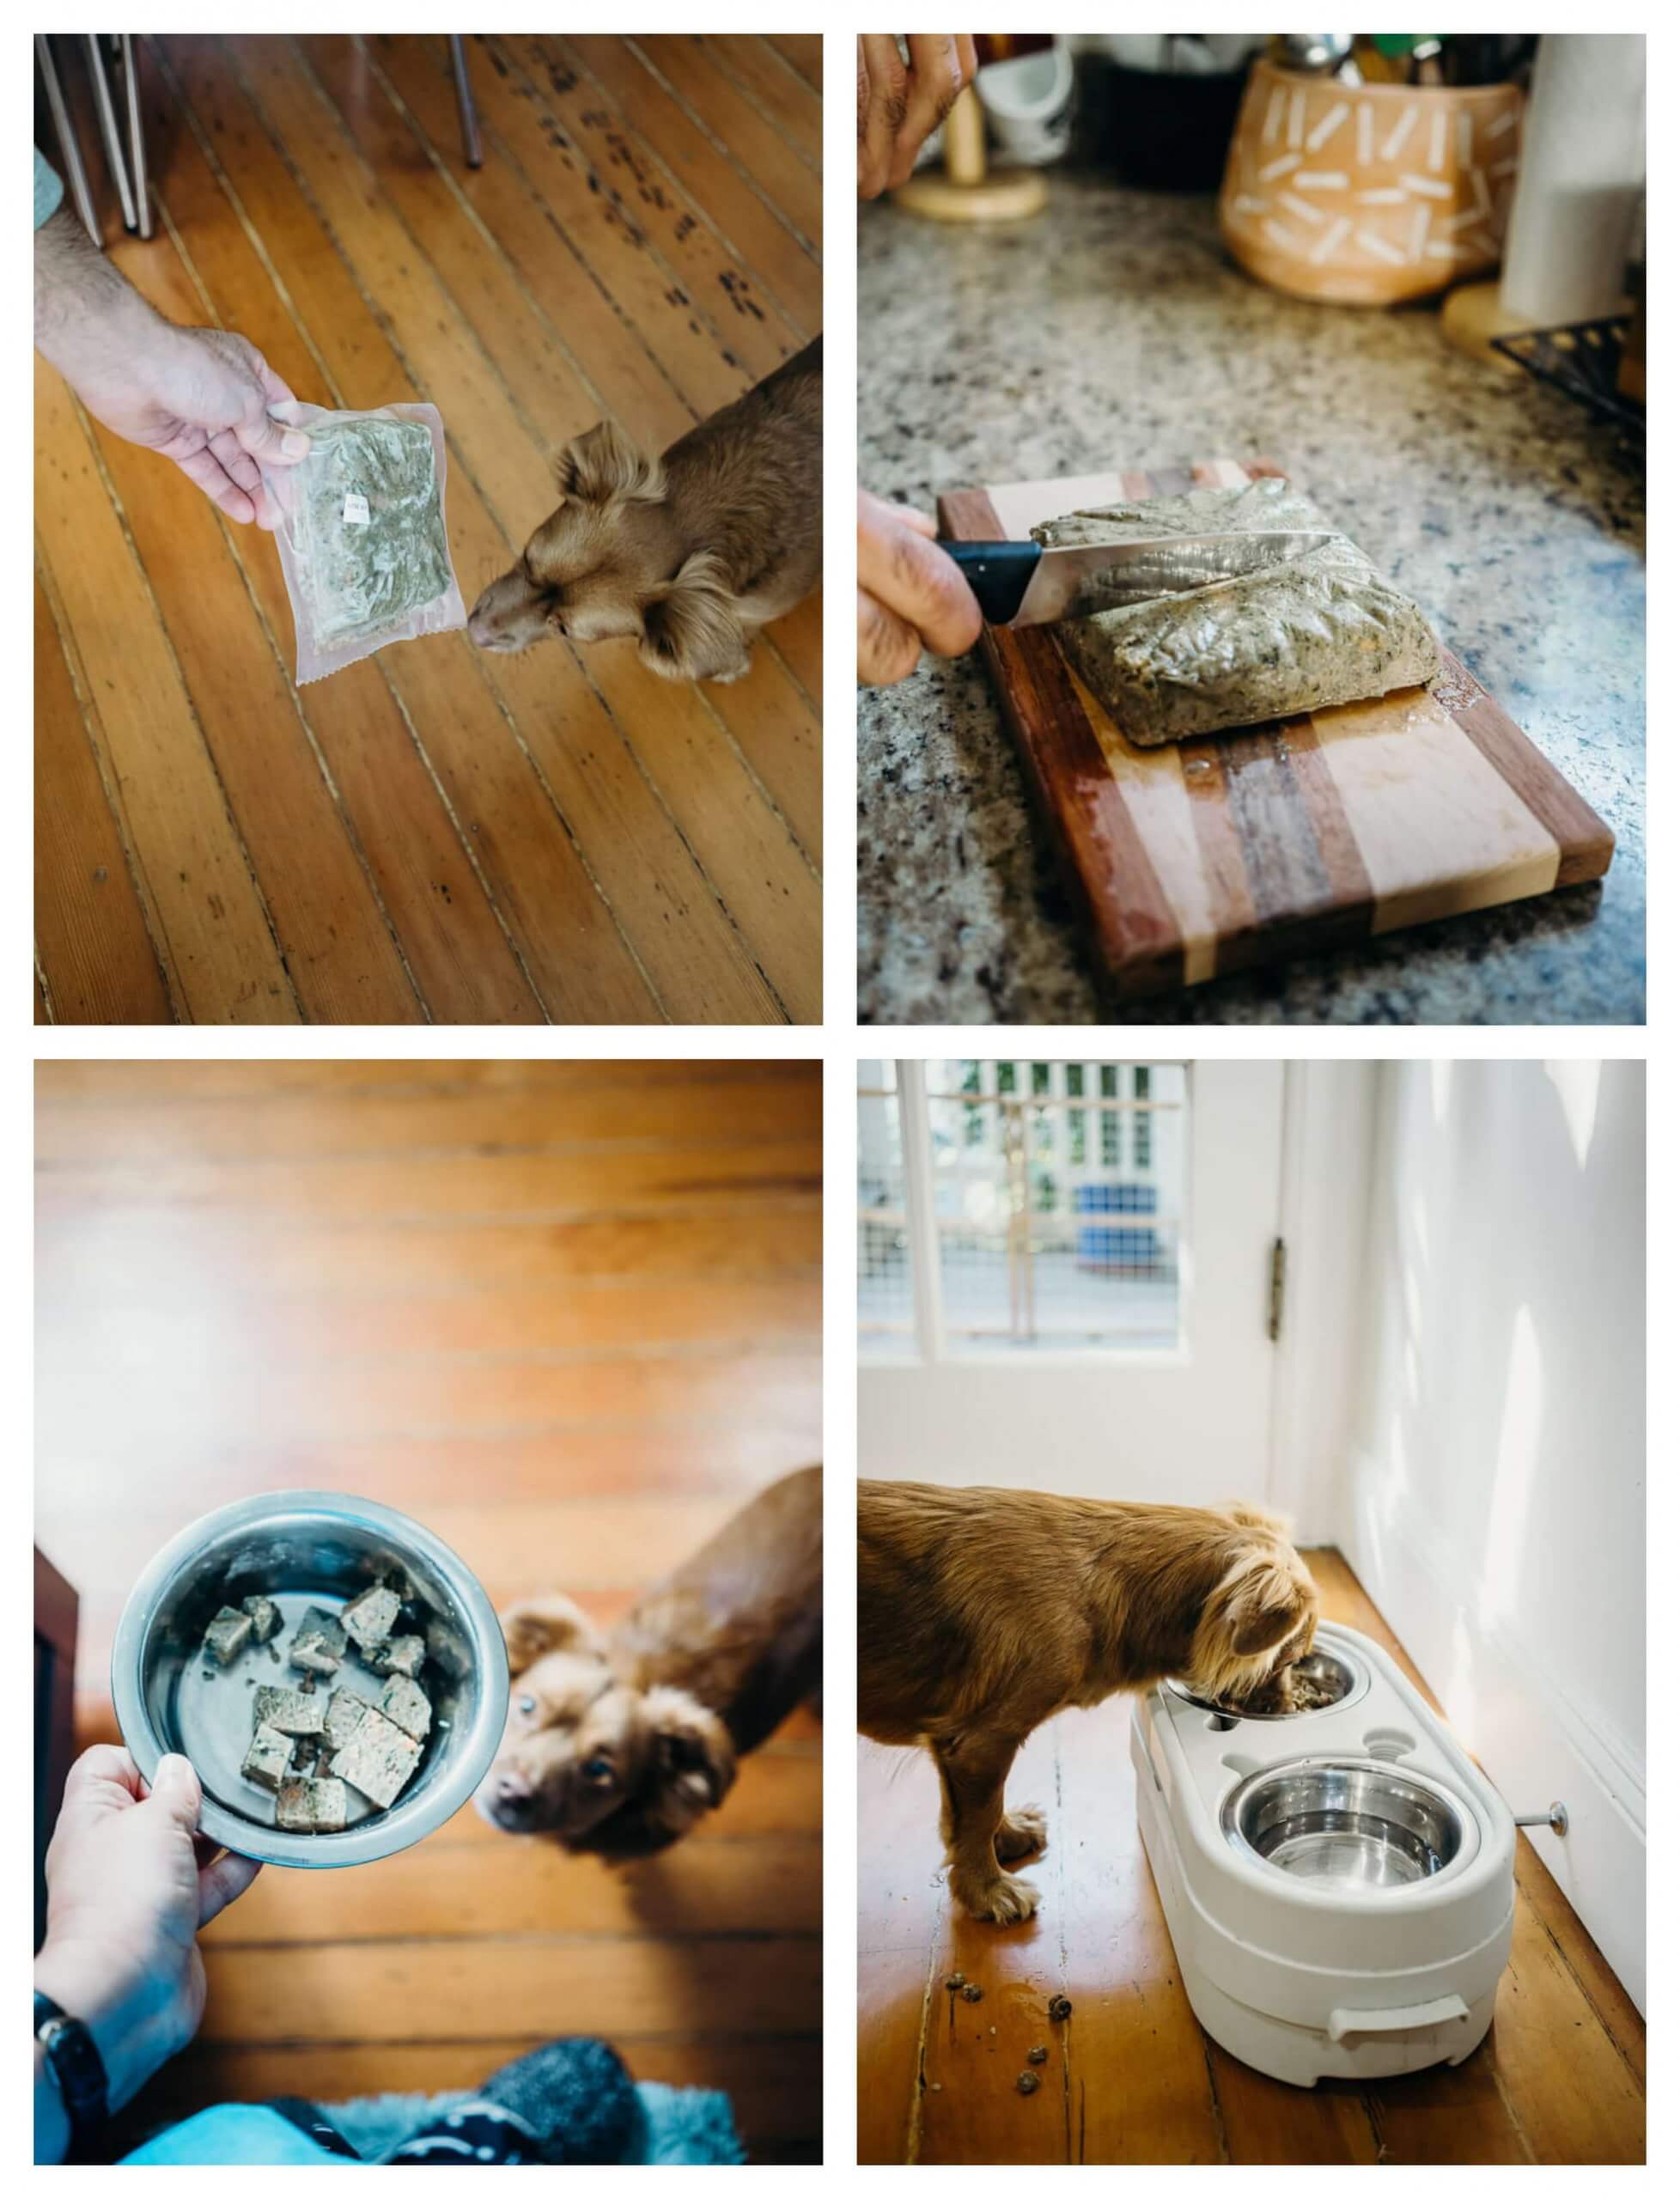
<point x="356" y="511"/>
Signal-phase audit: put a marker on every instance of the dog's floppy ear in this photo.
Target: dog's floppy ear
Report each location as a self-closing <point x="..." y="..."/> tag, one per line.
<point x="696" y="1754"/>
<point x="1264" y="1596"/>
<point x="687" y="1767"/>
<point x="538" y="1628"/>
<point x="1263" y="1608"/>
<point x="690" y="629"/>
<point x="604" y="466"/>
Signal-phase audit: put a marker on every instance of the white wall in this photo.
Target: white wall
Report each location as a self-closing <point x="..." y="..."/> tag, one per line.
<point x="1494" y="1504"/>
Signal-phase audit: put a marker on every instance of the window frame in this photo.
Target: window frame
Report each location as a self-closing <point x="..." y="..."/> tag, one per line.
<point x="931" y="1343"/>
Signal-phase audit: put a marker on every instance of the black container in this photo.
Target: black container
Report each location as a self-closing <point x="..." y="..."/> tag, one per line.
<point x="1158" y="130"/>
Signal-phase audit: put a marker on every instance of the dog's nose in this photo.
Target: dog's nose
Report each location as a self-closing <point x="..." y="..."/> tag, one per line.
<point x="512" y="1793"/>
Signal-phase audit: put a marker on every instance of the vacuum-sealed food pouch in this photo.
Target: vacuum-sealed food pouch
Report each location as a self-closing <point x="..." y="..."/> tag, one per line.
<point x="362" y="534"/>
<point x="1298" y="636"/>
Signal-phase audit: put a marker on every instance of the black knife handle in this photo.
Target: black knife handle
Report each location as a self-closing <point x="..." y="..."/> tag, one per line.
<point x="998" y="573"/>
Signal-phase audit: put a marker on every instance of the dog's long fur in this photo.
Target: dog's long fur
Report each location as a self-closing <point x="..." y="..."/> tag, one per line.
<point x="981" y="1612"/>
<point x="690" y="553"/>
<point x="617" y="1743"/>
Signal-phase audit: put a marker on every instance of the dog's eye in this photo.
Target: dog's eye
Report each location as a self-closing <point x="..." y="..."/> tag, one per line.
<point x="598" y="1771"/>
<point x="527" y="1706"/>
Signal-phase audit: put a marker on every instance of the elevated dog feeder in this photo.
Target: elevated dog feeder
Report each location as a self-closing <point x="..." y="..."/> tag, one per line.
<point x="1338" y="1882"/>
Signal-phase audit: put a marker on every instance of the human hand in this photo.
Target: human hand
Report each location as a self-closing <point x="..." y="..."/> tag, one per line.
<point x="899" y="105"/>
<point x="129" y="1885"/>
<point x="910" y="596"/>
<point x="201" y="397"/>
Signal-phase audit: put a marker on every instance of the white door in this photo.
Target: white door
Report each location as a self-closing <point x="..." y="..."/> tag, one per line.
<point x="1065" y="1275"/>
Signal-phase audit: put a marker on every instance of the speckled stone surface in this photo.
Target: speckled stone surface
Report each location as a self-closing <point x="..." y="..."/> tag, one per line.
<point x="1113" y="332"/>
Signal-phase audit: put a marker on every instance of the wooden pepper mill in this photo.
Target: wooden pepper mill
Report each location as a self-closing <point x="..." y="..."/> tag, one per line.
<point x="967" y="190"/>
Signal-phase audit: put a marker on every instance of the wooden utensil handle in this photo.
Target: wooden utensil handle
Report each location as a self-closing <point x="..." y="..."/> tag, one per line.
<point x="998" y="573"/>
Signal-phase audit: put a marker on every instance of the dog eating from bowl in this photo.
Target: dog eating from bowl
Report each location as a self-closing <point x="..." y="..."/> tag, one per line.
<point x="981" y="1612"/>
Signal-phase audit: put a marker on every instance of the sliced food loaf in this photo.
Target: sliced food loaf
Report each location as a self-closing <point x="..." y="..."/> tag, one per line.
<point x="1300" y="635"/>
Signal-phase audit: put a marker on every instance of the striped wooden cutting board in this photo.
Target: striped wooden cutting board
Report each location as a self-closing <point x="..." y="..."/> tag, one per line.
<point x="1204" y="857"/>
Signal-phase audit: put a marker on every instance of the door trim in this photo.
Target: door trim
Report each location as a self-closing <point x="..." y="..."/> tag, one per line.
<point x="1328" y="1148"/>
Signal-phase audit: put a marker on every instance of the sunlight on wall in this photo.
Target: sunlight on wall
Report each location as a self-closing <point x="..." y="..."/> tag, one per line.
<point x="1458" y="1696"/>
<point x="1393" y="1489"/>
<point x="1440" y="1089"/>
<point x="1576" y="1084"/>
<point x="1520" y="1426"/>
<point x="1420" y="1224"/>
<point x="1413" y="1297"/>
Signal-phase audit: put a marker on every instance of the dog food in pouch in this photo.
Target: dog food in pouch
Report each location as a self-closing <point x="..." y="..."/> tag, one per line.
<point x="1299" y="636"/>
<point x="362" y="536"/>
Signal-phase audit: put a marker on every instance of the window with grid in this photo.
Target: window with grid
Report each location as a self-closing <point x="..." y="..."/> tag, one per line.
<point x="1020" y="1205"/>
<point x="885" y="1301"/>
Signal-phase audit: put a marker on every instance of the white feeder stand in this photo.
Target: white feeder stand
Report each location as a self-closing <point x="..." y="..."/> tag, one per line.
<point x="1338" y="1883"/>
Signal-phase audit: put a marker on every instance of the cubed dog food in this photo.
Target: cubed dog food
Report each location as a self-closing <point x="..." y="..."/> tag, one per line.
<point x="312" y="1806"/>
<point x="269" y="1759"/>
<point x="264" y="1617"/>
<point x="227" y="1635"/>
<point x="319" y="1645"/>
<point x="288" y="1711"/>
<point x="407" y="1706"/>
<point x="345" y="1713"/>
<point x="378" y="1760"/>
<point x="401" y="1653"/>
<point x="370" y="1618"/>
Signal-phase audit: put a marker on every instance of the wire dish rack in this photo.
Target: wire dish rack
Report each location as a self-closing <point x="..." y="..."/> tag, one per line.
<point x="1582" y="360"/>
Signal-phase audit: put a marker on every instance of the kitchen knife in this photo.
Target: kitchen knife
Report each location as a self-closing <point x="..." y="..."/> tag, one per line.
<point x="1023" y="584"/>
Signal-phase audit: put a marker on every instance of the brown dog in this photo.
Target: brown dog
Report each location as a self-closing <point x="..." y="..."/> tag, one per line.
<point x="981" y="1612"/>
<point x="690" y="553"/>
<point x="617" y="1744"/>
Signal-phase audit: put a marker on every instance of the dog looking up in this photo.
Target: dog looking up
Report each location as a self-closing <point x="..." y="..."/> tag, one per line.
<point x="981" y="1612"/>
<point x="691" y="553"/>
<point x="617" y="1743"/>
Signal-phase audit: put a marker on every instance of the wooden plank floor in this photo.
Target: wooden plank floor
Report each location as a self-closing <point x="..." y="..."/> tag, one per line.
<point x="435" y="834"/>
<point x="1560" y="2077"/>
<point x="570" y="1316"/>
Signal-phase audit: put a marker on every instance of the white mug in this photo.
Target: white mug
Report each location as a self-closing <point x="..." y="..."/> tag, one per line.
<point x="1029" y="105"/>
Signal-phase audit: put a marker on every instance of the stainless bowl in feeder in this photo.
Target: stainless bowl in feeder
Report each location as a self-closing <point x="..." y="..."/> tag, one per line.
<point x="1347" y="1823"/>
<point x="1336" y="1671"/>
<point x="303" y="1548"/>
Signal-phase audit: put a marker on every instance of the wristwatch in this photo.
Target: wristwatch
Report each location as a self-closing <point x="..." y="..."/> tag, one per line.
<point x="73" y="2063"/>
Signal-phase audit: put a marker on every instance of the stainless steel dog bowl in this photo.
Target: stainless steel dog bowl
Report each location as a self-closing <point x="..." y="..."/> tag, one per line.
<point x="1337" y="1668"/>
<point x="302" y="1548"/>
<point x="1348" y="1822"/>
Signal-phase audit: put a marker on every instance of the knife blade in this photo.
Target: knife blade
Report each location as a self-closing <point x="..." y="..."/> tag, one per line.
<point x="1024" y="584"/>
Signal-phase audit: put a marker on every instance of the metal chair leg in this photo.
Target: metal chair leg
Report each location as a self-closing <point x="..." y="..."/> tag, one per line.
<point x="67" y="145"/>
<point x="108" y="128"/>
<point x="474" y="150"/>
<point x="137" y="136"/>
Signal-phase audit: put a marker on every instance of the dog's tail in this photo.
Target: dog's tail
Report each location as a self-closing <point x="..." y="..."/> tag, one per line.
<point x="689" y="627"/>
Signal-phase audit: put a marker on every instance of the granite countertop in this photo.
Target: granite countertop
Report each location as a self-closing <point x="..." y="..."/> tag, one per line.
<point x="1112" y="330"/>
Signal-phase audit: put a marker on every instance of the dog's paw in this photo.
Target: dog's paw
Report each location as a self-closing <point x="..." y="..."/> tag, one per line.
<point x="1021" y="1832"/>
<point x="1002" y="1900"/>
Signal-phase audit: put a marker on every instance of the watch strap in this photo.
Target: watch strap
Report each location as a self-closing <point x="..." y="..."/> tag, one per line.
<point x="74" y="2060"/>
